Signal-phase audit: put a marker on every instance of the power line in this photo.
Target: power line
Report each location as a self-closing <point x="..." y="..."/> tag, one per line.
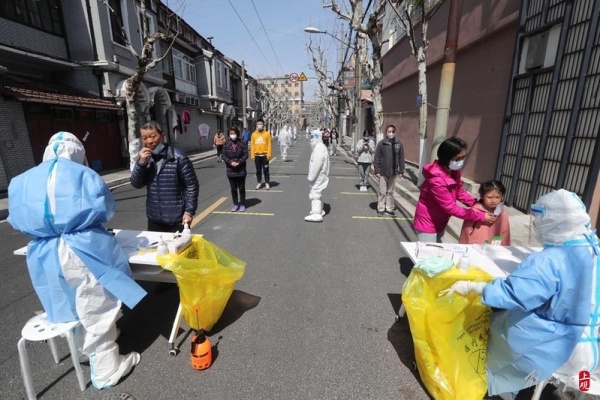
<point x="268" y="38"/>
<point x="249" y="33"/>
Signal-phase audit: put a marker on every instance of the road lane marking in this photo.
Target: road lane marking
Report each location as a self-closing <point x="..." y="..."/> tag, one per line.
<point x="345" y="168"/>
<point x="361" y="193"/>
<point x="285" y="166"/>
<point x="280" y="176"/>
<point x="204" y="213"/>
<point x="345" y="177"/>
<point x="396" y="218"/>
<point x="243" y="213"/>
<point x="272" y="159"/>
<point x="265" y="190"/>
<point x="118" y="186"/>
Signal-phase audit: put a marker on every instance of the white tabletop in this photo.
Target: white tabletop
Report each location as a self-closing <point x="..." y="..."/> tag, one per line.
<point x="498" y="261"/>
<point x="140" y="249"/>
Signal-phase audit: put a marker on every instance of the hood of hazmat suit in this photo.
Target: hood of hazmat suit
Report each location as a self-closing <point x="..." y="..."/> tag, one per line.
<point x="551" y="319"/>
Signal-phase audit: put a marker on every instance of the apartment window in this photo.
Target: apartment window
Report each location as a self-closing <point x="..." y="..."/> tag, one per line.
<point x="40" y="14"/>
<point x="116" y="22"/>
<point x="218" y="73"/>
<point x="225" y="77"/>
<point x="183" y="67"/>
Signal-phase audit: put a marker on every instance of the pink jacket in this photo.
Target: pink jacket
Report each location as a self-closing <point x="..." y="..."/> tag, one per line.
<point x="478" y="232"/>
<point x="437" y="201"/>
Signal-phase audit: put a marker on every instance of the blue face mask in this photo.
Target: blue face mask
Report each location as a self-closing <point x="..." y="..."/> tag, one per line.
<point x="158" y="149"/>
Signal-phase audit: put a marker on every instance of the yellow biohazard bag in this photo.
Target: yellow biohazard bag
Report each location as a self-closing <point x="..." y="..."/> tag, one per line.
<point x="206" y="275"/>
<point x="449" y="332"/>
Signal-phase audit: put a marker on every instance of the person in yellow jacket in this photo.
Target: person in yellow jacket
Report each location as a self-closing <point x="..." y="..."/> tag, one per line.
<point x="260" y="152"/>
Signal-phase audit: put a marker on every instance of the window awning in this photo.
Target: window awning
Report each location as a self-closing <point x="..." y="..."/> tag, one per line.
<point x="42" y="92"/>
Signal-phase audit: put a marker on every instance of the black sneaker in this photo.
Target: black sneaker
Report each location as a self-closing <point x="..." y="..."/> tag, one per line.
<point x="380" y="213"/>
<point x="390" y="214"/>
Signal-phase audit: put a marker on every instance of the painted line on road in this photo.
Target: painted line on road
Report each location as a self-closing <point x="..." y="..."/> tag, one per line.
<point x="243" y="213"/>
<point x="361" y="193"/>
<point x="280" y="176"/>
<point x="396" y="218"/>
<point x="118" y="186"/>
<point x="265" y="190"/>
<point x="286" y="166"/>
<point x="345" y="168"/>
<point x="210" y="209"/>
<point x="272" y="159"/>
<point x="345" y="177"/>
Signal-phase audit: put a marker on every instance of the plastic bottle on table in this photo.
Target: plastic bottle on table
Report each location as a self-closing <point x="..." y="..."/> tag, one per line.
<point x="161" y="249"/>
<point x="186" y="229"/>
<point x="463" y="263"/>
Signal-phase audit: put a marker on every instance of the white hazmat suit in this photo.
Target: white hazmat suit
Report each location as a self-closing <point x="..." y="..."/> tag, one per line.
<point x="285" y="141"/>
<point x="77" y="268"/>
<point x="551" y="324"/>
<point x="318" y="176"/>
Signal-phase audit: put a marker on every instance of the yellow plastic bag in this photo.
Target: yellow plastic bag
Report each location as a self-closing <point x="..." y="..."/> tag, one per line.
<point x="449" y="334"/>
<point x="206" y="275"/>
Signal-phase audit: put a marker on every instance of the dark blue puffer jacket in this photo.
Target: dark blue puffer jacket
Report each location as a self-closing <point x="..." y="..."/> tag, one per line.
<point x="172" y="190"/>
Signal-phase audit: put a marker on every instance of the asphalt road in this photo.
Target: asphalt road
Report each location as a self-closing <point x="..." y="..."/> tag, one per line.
<point x="313" y="317"/>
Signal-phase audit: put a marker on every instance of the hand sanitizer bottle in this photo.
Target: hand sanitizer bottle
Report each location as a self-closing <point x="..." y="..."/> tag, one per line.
<point x="186" y="229"/>
<point x="161" y="249"/>
<point x="463" y="263"/>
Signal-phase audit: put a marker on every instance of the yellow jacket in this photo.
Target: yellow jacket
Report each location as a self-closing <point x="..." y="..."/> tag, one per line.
<point x="260" y="143"/>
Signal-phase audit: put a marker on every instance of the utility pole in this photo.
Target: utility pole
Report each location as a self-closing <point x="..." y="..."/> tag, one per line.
<point x="447" y="79"/>
<point x="358" y="108"/>
<point x="338" y="82"/>
<point x="244" y="98"/>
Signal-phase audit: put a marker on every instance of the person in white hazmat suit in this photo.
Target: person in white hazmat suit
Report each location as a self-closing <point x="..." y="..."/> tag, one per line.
<point x="318" y="176"/>
<point x="550" y="326"/>
<point x="285" y="141"/>
<point x="77" y="268"/>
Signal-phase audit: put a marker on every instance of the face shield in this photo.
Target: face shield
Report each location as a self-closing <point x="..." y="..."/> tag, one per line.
<point x="559" y="217"/>
<point x="65" y="145"/>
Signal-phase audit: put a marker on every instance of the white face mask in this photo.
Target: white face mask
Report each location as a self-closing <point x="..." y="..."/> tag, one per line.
<point x="390" y="135"/>
<point x="260" y="127"/>
<point x="456" y="165"/>
<point x="233" y="137"/>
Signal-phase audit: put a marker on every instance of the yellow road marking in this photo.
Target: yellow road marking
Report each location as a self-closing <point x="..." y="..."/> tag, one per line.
<point x="360" y="193"/>
<point x="285" y="166"/>
<point x="280" y="176"/>
<point x="204" y="213"/>
<point x="345" y="168"/>
<point x="242" y="213"/>
<point x="272" y="159"/>
<point x="265" y="190"/>
<point x="396" y="218"/>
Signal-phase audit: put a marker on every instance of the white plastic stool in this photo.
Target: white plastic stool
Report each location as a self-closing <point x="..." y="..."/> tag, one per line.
<point x="38" y="329"/>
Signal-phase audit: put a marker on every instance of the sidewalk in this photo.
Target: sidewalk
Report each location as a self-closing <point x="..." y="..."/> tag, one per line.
<point x="115" y="178"/>
<point x="407" y="195"/>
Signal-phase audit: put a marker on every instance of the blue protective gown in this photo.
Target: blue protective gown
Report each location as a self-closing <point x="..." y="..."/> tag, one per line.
<point x="82" y="204"/>
<point x="547" y="306"/>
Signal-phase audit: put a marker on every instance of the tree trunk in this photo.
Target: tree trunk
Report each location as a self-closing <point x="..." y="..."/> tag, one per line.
<point x="133" y="118"/>
<point x="422" y="67"/>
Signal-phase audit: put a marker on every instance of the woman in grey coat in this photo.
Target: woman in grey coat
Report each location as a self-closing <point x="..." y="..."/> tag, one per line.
<point x="364" y="153"/>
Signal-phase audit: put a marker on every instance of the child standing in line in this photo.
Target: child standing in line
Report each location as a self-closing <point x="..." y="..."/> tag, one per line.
<point x="477" y="232"/>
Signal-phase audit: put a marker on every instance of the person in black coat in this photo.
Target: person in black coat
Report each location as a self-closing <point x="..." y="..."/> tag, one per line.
<point x="170" y="179"/>
<point x="235" y="154"/>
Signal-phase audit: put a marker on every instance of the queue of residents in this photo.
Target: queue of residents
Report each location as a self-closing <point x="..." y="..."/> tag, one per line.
<point x="549" y="318"/>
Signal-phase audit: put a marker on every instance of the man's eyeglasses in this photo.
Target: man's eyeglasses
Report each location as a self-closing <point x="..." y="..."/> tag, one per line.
<point x="394" y="132"/>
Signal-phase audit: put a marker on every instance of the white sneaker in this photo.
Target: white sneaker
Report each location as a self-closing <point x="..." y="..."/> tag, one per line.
<point x="363" y="188"/>
<point x="267" y="186"/>
<point x="258" y="186"/>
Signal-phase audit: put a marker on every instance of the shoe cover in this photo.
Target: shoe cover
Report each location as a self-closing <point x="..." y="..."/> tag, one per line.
<point x="108" y="366"/>
<point x="314" y="218"/>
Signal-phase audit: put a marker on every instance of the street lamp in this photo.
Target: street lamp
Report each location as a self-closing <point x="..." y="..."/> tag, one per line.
<point x="357" y="77"/>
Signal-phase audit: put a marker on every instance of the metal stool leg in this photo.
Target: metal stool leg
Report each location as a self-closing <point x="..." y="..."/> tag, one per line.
<point x="26" y="369"/>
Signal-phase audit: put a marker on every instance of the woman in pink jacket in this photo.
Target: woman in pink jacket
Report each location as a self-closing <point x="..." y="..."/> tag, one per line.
<point x="440" y="191"/>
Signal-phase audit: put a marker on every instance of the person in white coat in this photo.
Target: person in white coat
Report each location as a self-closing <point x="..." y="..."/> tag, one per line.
<point x="77" y="268"/>
<point x="285" y="141"/>
<point x="318" y="176"/>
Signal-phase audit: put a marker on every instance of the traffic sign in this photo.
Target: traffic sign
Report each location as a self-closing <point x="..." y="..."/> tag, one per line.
<point x="294" y="77"/>
<point x="302" y="77"/>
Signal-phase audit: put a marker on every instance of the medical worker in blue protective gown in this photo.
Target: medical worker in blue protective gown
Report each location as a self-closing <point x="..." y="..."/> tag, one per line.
<point x="550" y="322"/>
<point x="77" y="268"/>
<point x="318" y="176"/>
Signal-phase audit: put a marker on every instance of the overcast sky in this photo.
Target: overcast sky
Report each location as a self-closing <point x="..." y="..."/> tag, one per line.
<point x="280" y="47"/>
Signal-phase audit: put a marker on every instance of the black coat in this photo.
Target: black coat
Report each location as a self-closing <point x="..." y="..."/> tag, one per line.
<point x="238" y="152"/>
<point x="172" y="186"/>
<point x="389" y="158"/>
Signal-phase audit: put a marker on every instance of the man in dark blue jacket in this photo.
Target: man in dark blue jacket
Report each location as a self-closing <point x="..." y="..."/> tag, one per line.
<point x="170" y="179"/>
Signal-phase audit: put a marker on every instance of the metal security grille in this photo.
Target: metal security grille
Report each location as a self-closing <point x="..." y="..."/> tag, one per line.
<point x="550" y="134"/>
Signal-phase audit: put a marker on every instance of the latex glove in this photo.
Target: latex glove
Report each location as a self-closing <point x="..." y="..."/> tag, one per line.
<point x="465" y="287"/>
